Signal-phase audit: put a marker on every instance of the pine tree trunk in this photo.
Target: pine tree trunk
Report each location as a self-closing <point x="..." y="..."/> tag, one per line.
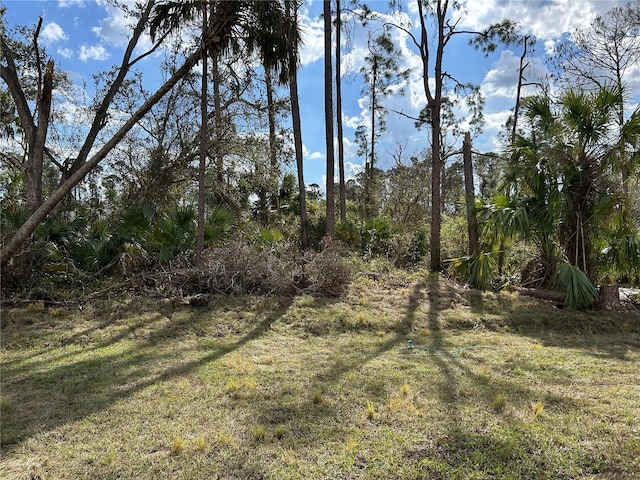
<point x="342" y="182"/>
<point x="328" y="112"/>
<point x="204" y="135"/>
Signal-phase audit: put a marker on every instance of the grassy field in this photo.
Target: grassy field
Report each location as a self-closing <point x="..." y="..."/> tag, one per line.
<point x="494" y="386"/>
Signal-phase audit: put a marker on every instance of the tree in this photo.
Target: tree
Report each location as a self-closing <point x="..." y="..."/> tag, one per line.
<point x="81" y="166"/>
<point x="35" y="131"/>
<point x="9" y="122"/>
<point x="564" y="199"/>
<point x="381" y="74"/>
<point x="297" y="131"/>
<point x="472" y="222"/>
<point x="328" y="119"/>
<point x="408" y="181"/>
<point x="168" y="17"/>
<point x="439" y="11"/>
<point x="601" y="56"/>
<point x="341" y="173"/>
<point x="257" y="23"/>
<point x="204" y="136"/>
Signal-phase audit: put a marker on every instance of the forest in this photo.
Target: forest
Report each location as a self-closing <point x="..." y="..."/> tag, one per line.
<point x="195" y="186"/>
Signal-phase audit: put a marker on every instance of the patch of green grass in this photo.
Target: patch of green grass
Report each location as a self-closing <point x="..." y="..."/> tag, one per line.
<point x="177" y="445"/>
<point x="259" y="433"/>
<point x="499" y="403"/>
<point x="290" y="388"/>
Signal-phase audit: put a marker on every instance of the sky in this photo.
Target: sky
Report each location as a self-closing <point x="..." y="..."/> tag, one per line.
<point x="89" y="36"/>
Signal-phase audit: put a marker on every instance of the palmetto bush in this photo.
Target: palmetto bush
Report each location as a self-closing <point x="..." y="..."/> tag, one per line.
<point x="476" y="270"/>
<point x="580" y="291"/>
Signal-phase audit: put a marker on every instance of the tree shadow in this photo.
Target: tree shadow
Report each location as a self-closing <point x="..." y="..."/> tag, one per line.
<point x="39" y="359"/>
<point x="44" y="397"/>
<point x="462" y="446"/>
<point x="314" y="408"/>
<point x="598" y="333"/>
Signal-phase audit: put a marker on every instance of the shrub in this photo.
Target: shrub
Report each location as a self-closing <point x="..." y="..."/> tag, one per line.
<point x="409" y="248"/>
<point x="328" y="272"/>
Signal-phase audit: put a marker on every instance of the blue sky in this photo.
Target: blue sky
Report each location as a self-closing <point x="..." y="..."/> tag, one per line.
<point x="88" y="36"/>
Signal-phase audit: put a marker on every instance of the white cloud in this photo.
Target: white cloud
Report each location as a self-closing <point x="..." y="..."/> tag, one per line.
<point x="353" y="121"/>
<point x="312" y="35"/>
<point x="350" y="148"/>
<point x="70" y="3"/>
<point x="94" y="52"/>
<point x="547" y="20"/>
<point x="351" y="170"/>
<point x="502" y="79"/>
<point x="52" y="32"/>
<point x="115" y="29"/>
<point x="307" y="154"/>
<point x="494" y="125"/>
<point x="550" y="47"/>
<point x="65" y="52"/>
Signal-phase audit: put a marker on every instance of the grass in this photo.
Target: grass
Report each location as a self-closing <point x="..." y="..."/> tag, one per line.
<point x="496" y="386"/>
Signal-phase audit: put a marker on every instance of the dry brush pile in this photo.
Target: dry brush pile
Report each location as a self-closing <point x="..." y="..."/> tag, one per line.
<point x="243" y="269"/>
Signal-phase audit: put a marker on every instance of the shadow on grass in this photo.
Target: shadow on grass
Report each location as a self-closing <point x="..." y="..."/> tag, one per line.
<point x="314" y="409"/>
<point x="472" y="450"/>
<point x="599" y="333"/>
<point x="81" y="339"/>
<point x="46" y="395"/>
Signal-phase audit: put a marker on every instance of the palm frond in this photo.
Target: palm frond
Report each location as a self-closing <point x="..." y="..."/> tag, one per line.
<point x="220" y="224"/>
<point x="581" y="293"/>
<point x="171" y="15"/>
<point x="476" y="270"/>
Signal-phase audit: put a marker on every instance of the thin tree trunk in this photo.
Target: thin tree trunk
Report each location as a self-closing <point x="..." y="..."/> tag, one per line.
<point x="436" y="158"/>
<point x="204" y="135"/>
<point x="369" y="200"/>
<point x="443" y="182"/>
<point x="297" y="137"/>
<point x="342" y="184"/>
<point x="273" y="153"/>
<point x="514" y="130"/>
<point x="328" y="117"/>
<point x="521" y="69"/>
<point x="472" y="221"/>
<point x="217" y="112"/>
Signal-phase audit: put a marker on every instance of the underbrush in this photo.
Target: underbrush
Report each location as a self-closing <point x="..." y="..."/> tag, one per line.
<point x="242" y="269"/>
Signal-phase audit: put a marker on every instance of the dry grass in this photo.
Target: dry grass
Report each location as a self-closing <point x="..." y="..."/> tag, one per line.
<point x="263" y="387"/>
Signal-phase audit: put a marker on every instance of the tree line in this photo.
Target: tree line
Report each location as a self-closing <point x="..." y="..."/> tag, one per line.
<point x="557" y="207"/>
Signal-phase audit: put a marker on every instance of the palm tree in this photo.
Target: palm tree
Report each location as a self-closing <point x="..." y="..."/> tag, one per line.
<point x="254" y="26"/>
<point x="292" y="10"/>
<point x="560" y="179"/>
<point x="256" y="23"/>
